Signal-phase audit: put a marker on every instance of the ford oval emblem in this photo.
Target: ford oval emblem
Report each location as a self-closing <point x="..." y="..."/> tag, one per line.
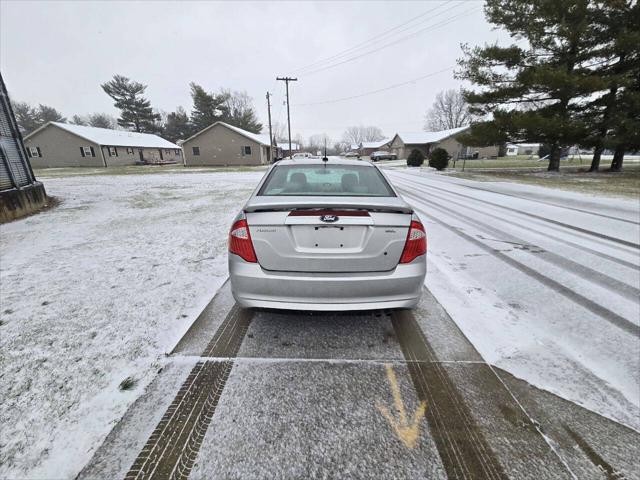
<point x="329" y="218"/>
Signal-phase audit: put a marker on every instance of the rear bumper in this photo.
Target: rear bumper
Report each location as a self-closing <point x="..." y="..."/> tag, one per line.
<point x="252" y="286"/>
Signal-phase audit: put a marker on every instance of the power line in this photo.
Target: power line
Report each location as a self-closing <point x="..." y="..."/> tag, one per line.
<point x="430" y="27"/>
<point x="358" y="55"/>
<point x="372" y="92"/>
<point x="367" y="42"/>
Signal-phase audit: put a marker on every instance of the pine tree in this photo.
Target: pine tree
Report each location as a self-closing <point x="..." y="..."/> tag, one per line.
<point x="101" y="120"/>
<point x="208" y="108"/>
<point x="49" y="114"/>
<point x="178" y="126"/>
<point x="26" y="116"/>
<point x="625" y="134"/>
<point x="31" y="118"/>
<point x="626" y="131"/>
<point x="534" y="92"/>
<point x="135" y="110"/>
<point x="616" y="60"/>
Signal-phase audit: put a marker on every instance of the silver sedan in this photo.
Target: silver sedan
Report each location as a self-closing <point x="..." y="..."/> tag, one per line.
<point x="326" y="235"/>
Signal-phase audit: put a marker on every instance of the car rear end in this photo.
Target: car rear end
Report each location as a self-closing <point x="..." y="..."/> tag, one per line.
<point x="326" y="236"/>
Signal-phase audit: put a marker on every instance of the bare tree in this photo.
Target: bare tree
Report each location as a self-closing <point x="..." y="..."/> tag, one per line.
<point x="341" y="146"/>
<point x="450" y="110"/>
<point x="279" y="131"/>
<point x="359" y="134"/>
<point x="318" y="141"/>
<point x="78" y="120"/>
<point x="241" y="111"/>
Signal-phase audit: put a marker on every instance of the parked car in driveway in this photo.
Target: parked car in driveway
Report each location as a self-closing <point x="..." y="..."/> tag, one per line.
<point x="326" y="235"/>
<point x="382" y="155"/>
<point x="351" y="154"/>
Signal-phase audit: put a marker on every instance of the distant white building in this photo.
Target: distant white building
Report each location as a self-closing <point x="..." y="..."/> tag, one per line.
<point x="513" y="149"/>
<point x="64" y="145"/>
<point x="367" y="148"/>
<point x="282" y="149"/>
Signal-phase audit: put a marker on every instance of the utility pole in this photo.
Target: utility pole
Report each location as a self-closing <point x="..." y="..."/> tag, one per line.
<point x="286" y="80"/>
<point x="270" y="134"/>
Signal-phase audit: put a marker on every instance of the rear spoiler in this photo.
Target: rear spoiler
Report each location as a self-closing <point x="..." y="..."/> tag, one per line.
<point x="372" y="204"/>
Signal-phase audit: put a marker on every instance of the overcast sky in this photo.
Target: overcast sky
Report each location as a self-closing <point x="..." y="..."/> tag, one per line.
<point x="58" y="53"/>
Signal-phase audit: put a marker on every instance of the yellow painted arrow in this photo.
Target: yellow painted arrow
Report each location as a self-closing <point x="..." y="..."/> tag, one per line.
<point x="407" y="431"/>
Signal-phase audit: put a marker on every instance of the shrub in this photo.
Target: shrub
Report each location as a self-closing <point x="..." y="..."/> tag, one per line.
<point x="439" y="159"/>
<point x="415" y="159"/>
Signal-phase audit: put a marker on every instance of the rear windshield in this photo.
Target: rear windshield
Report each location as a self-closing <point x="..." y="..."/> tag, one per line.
<point x="329" y="180"/>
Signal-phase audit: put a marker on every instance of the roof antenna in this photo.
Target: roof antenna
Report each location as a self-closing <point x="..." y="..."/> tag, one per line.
<point x="325" y="158"/>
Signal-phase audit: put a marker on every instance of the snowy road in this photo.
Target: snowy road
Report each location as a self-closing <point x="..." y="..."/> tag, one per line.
<point x="528" y="293"/>
<point x="522" y="360"/>
<point x="369" y="395"/>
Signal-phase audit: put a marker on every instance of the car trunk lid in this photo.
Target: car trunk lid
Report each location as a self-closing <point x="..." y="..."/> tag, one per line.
<point x="339" y="238"/>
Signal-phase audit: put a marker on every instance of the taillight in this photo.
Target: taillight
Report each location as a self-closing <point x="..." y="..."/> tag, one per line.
<point x="240" y="240"/>
<point x="416" y="243"/>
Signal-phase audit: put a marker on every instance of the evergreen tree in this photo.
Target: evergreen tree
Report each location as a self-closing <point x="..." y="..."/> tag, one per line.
<point x="101" y="120"/>
<point x="208" y="108"/>
<point x="135" y="110"/>
<point x="178" y="126"/>
<point x="49" y="114"/>
<point x="415" y="158"/>
<point x="31" y="118"/>
<point x="625" y="133"/>
<point x="26" y="116"/>
<point x="616" y="60"/>
<point x="439" y="159"/>
<point x="534" y="92"/>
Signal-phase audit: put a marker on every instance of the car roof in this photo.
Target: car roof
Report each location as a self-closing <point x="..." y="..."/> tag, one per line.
<point x="319" y="161"/>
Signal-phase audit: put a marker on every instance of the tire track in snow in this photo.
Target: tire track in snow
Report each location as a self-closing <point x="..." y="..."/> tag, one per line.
<point x="172" y="448"/>
<point x="463" y="449"/>
<point x="601" y="279"/>
<point x="581" y="300"/>
<point x="532" y="215"/>
<point x="553" y="237"/>
<point x="589" y="212"/>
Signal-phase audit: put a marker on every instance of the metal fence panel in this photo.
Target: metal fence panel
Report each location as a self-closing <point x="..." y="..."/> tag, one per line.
<point x="14" y="169"/>
<point x="5" y="180"/>
<point x="15" y="161"/>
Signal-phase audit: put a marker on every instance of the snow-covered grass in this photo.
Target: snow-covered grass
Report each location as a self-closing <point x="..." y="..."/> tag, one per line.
<point x="623" y="184"/>
<point x="139" y="169"/>
<point x="95" y="292"/>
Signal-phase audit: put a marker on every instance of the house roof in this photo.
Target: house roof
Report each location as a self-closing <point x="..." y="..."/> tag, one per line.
<point x="428" y="137"/>
<point x="260" y="138"/>
<point x="106" y="136"/>
<point x="378" y="144"/>
<point x="285" y="145"/>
